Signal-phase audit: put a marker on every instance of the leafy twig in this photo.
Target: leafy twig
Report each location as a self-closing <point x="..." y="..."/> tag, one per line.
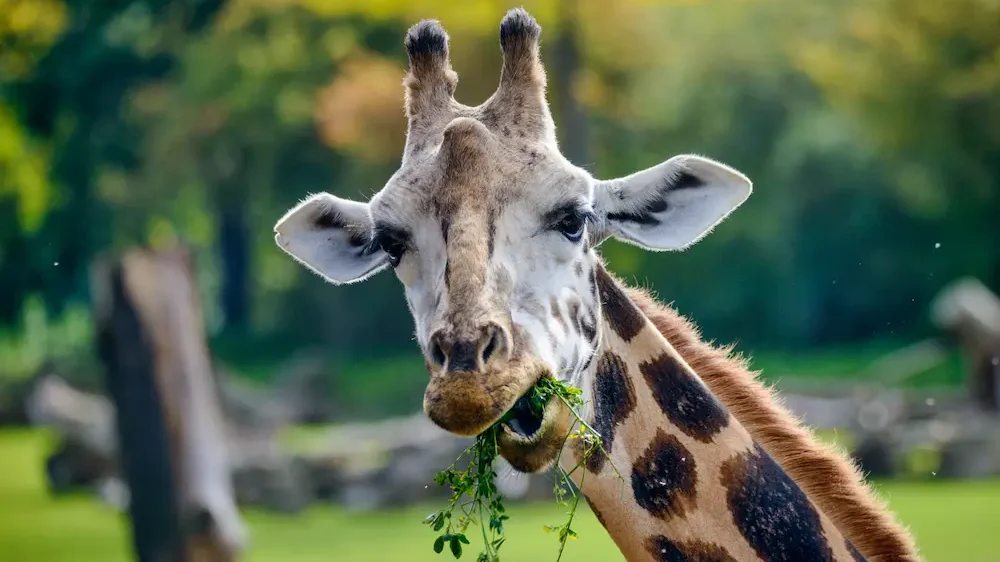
<point x="477" y="481"/>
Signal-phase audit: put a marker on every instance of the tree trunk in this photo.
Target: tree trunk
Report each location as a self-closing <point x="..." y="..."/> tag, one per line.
<point x="234" y="253"/>
<point x="228" y="166"/>
<point x="170" y="429"/>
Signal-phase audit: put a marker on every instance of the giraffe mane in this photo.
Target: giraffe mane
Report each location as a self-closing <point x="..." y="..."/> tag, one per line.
<point x="824" y="471"/>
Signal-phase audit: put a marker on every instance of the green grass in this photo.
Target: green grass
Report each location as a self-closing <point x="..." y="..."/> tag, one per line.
<point x="848" y="363"/>
<point x="953" y="521"/>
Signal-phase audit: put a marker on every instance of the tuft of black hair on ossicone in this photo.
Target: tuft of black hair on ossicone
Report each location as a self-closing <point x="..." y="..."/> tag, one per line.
<point x="518" y="28"/>
<point x="426" y="40"/>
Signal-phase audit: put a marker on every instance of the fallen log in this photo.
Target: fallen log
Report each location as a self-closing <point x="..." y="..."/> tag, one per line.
<point x="85" y="418"/>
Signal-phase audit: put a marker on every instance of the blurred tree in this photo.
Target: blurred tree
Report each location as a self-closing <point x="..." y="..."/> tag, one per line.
<point x="924" y="78"/>
<point x="73" y="96"/>
<point x="256" y="123"/>
<point x="27" y="30"/>
<point x="217" y="136"/>
<point x="826" y="234"/>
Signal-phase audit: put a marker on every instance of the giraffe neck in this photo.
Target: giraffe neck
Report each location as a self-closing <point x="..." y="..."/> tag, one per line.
<point x="693" y="485"/>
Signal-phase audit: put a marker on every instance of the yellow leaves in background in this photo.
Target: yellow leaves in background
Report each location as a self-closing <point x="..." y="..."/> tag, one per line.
<point x="340" y="41"/>
<point x="590" y="90"/>
<point x="361" y="111"/>
<point x="32" y="17"/>
<point x="621" y="35"/>
<point x="886" y="44"/>
<point x="923" y="76"/>
<point x="23" y="172"/>
<point x="27" y="28"/>
<point x="162" y="234"/>
<point x="282" y="49"/>
<point x="478" y="17"/>
<point x="470" y="17"/>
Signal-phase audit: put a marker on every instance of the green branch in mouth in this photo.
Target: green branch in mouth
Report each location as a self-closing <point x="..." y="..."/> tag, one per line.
<point x="475" y="499"/>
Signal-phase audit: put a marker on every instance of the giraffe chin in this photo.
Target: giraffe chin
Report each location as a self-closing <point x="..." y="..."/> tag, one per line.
<point x="540" y="450"/>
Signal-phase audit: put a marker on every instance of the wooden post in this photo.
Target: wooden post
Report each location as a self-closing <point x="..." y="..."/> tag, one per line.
<point x="171" y="436"/>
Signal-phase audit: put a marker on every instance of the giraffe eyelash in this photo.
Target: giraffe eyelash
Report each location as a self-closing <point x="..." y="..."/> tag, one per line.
<point x="393" y="241"/>
<point x="573" y="224"/>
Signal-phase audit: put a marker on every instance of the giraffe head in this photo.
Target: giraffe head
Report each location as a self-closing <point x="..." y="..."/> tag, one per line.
<point x="492" y="233"/>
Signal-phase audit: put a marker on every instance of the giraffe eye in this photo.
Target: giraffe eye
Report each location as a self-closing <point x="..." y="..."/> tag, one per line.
<point x="393" y="243"/>
<point x="571" y="226"/>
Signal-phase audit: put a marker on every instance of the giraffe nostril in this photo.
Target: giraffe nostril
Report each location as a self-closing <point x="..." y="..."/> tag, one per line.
<point x="496" y="343"/>
<point x="438" y="355"/>
<point x="491" y="346"/>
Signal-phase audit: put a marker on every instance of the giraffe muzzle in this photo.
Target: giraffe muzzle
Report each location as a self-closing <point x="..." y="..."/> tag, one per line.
<point x="468" y="401"/>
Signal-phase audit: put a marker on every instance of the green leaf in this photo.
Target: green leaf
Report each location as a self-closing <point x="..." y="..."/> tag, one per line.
<point x="439" y="522"/>
<point x="439" y="544"/>
<point x="456" y="546"/>
<point x="463" y="539"/>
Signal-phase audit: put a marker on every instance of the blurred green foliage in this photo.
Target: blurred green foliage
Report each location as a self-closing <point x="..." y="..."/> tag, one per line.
<point x="870" y="128"/>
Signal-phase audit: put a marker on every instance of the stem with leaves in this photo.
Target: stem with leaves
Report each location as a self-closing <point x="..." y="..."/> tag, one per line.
<point x="477" y="481"/>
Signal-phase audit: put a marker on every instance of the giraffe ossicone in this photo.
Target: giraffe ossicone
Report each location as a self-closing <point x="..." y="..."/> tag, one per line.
<point x="494" y="235"/>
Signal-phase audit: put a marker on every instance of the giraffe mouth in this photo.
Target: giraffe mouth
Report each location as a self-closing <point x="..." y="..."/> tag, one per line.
<point x="532" y="436"/>
<point x="525" y="419"/>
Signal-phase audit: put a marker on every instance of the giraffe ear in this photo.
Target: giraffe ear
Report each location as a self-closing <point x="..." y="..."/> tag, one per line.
<point x="671" y="205"/>
<point x="332" y="237"/>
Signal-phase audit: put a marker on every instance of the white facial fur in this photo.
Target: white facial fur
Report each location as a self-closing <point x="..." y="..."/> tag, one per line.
<point x="531" y="270"/>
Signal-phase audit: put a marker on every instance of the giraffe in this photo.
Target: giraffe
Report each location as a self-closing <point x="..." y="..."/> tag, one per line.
<point x="494" y="236"/>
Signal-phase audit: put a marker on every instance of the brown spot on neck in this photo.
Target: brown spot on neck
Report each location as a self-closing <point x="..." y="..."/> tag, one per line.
<point x="684" y="400"/>
<point x="664" y="477"/>
<point x="665" y="550"/>
<point x="620" y="313"/>
<point x="771" y="512"/>
<point x="614" y="400"/>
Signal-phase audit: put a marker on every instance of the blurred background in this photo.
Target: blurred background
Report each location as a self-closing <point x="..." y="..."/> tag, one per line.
<point x="862" y="276"/>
